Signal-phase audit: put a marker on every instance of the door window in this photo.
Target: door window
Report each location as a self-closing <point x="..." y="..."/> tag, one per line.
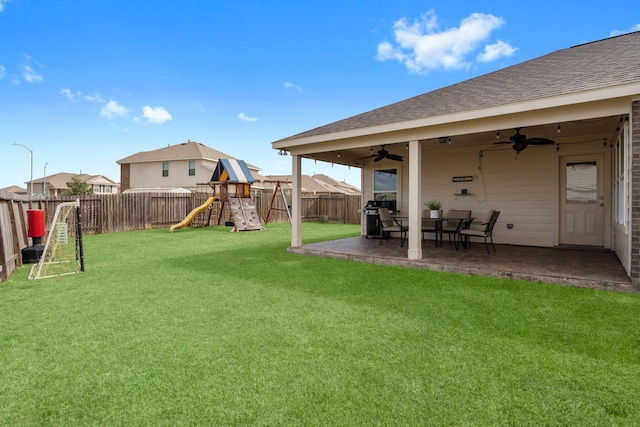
<point x="582" y="182"/>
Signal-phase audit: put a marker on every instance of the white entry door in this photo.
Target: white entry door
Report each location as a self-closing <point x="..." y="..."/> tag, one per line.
<point x="582" y="200"/>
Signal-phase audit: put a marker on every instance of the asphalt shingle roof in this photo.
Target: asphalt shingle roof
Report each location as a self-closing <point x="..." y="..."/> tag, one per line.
<point x="601" y="64"/>
<point x="184" y="151"/>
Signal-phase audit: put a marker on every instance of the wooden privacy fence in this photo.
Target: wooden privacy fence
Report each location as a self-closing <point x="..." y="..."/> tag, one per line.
<point x="138" y="211"/>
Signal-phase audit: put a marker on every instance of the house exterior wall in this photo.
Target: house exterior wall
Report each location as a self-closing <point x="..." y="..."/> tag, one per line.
<point x="525" y="187"/>
<point x="149" y="175"/>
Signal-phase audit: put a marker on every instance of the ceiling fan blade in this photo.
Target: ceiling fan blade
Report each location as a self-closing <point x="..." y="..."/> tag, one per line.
<point x="540" y="141"/>
<point x="395" y="157"/>
<point x="368" y="157"/>
<point x="380" y="157"/>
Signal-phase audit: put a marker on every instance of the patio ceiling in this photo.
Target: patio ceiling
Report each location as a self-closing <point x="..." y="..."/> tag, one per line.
<point x="572" y="132"/>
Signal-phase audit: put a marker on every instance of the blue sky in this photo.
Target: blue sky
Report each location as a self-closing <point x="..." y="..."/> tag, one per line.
<point x="86" y="83"/>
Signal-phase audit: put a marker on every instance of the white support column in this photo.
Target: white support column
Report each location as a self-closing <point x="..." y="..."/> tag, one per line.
<point x="296" y="202"/>
<point x="415" y="202"/>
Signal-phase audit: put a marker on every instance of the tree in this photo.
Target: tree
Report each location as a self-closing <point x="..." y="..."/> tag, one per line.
<point x="77" y="187"/>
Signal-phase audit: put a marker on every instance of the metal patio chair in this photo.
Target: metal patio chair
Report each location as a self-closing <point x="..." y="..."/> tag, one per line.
<point x="457" y="219"/>
<point x="484" y="230"/>
<point x="389" y="224"/>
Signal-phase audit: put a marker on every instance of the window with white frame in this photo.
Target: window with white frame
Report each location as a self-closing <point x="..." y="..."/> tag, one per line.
<point x="385" y="184"/>
<point x="165" y="168"/>
<point x="192" y="168"/>
<point x="620" y="177"/>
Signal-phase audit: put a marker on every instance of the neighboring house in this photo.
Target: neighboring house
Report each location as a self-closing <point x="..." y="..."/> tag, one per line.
<point x="316" y="184"/>
<point x="574" y="180"/>
<point x="172" y="190"/>
<point x="54" y="185"/>
<point x="177" y="166"/>
<point x="15" y="190"/>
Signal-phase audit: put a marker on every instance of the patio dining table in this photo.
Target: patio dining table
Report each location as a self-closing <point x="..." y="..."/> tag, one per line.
<point x="438" y="226"/>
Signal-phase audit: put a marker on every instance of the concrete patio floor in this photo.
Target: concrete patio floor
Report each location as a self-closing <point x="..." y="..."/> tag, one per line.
<point x="588" y="268"/>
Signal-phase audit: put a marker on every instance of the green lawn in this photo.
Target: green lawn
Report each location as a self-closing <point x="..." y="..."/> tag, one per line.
<point x="208" y="327"/>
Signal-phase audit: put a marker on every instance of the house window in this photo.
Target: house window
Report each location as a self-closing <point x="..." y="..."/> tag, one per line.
<point x="620" y="178"/>
<point x="165" y="168"/>
<point x="385" y="184"/>
<point x="96" y="188"/>
<point x="192" y="168"/>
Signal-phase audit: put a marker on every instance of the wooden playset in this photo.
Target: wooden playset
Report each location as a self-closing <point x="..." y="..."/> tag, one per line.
<point x="231" y="185"/>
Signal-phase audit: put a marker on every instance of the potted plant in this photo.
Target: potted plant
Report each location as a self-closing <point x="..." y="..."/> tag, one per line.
<point x="434" y="207"/>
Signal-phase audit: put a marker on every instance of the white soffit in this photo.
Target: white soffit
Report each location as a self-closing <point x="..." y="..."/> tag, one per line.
<point x="587" y="104"/>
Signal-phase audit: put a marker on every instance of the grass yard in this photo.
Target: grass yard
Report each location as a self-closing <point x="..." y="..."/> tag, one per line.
<point x="208" y="327"/>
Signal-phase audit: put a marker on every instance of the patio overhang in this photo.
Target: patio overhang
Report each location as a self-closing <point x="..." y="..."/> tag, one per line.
<point x="574" y="114"/>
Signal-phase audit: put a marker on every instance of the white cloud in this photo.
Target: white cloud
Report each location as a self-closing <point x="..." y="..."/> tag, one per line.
<point x="2" y="4"/>
<point x="495" y="51"/>
<point x="422" y="46"/>
<point x="156" y="116"/>
<point x="3" y="71"/>
<point x="245" y="118"/>
<point x="69" y="94"/>
<point x="29" y="74"/>
<point x="289" y="85"/>
<point x="112" y="110"/>
<point x="95" y="98"/>
<point x="620" y="32"/>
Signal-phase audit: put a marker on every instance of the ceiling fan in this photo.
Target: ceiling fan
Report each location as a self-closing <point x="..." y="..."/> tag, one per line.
<point x="384" y="154"/>
<point x="520" y="141"/>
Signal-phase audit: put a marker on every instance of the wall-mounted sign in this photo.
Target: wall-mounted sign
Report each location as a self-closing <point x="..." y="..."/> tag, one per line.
<point x="462" y="178"/>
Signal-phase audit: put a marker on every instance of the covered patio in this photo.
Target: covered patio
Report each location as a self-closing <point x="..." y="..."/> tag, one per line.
<point x="551" y="143"/>
<point x="588" y="268"/>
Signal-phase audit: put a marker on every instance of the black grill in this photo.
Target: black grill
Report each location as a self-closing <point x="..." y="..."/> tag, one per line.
<point x="372" y="228"/>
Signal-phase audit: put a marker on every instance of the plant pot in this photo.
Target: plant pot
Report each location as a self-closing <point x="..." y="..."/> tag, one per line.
<point x="435" y="213"/>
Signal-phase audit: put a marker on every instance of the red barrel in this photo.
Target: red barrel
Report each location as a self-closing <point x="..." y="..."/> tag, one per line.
<point x="35" y="219"/>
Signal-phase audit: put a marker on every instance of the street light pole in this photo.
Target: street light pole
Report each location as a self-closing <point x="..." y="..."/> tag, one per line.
<point x="30" y="152"/>
<point x="44" y="183"/>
